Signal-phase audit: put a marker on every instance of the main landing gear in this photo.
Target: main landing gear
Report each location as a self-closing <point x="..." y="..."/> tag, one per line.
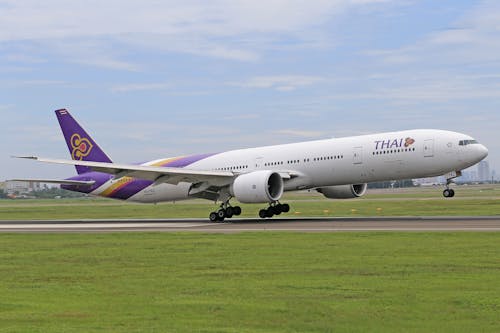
<point x="274" y="209"/>
<point x="225" y="211"/>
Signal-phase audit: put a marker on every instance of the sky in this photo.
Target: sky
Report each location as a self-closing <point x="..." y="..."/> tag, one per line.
<point x="151" y="79"/>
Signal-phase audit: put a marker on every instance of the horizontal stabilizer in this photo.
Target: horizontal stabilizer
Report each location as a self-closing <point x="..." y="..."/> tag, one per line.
<point x="26" y="157"/>
<point x="57" y="181"/>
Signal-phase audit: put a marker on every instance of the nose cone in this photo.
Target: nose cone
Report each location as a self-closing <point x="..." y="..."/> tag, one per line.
<point x="482" y="152"/>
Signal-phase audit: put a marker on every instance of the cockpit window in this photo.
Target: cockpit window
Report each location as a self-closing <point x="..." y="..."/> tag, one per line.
<point x="467" y="142"/>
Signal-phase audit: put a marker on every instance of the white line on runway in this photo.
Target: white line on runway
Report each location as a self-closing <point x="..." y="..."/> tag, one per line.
<point x="382" y="229"/>
<point x="102" y="225"/>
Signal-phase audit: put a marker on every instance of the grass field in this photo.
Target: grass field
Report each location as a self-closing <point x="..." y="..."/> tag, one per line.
<point x="470" y="201"/>
<point x="253" y="282"/>
<point x="250" y="282"/>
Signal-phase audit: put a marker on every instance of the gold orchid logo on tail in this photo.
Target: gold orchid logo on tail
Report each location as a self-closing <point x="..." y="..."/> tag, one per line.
<point x="81" y="147"/>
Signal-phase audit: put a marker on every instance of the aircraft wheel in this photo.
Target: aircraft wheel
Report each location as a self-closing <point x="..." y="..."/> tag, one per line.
<point x="285" y="208"/>
<point x="221" y="214"/>
<point x="452" y="193"/>
<point x="447" y="193"/>
<point x="276" y="210"/>
<point x="237" y="210"/>
<point x="229" y="212"/>
<point x="263" y="213"/>
<point x="213" y="217"/>
<point x="270" y="212"/>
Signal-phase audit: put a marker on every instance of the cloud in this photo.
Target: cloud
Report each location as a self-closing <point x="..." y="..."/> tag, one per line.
<point x="141" y="87"/>
<point x="199" y="45"/>
<point x="457" y="63"/>
<point x="471" y="39"/>
<point x="107" y="62"/>
<point x="279" y="82"/>
<point x="47" y="133"/>
<point x="300" y="133"/>
<point x="98" y="52"/>
<point x="24" y="58"/>
<point x="59" y="19"/>
<point x="443" y="86"/>
<point x="6" y="107"/>
<point x="366" y="2"/>
<point x="444" y="91"/>
<point x="26" y="83"/>
<point x="246" y="116"/>
<point x="220" y="28"/>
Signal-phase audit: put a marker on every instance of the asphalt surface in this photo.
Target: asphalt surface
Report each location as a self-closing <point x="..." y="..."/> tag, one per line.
<point x="459" y="223"/>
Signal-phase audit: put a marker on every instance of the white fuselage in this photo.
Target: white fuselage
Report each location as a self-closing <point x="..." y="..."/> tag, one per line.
<point x="350" y="160"/>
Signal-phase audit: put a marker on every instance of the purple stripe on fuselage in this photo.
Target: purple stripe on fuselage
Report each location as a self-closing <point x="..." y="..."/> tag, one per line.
<point x="185" y="161"/>
<point x="135" y="186"/>
<point x="131" y="189"/>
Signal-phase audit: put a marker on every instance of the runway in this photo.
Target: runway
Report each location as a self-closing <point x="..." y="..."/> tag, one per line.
<point x="410" y="224"/>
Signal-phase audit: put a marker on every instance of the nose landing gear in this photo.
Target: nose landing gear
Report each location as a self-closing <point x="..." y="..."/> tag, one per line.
<point x="449" y="192"/>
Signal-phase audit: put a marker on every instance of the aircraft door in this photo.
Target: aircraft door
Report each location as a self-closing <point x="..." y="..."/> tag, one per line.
<point x="429" y="148"/>
<point x="258" y="163"/>
<point x="357" y="157"/>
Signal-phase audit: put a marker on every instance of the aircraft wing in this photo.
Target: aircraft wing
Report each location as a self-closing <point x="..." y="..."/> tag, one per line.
<point x="153" y="173"/>
<point x="56" y="181"/>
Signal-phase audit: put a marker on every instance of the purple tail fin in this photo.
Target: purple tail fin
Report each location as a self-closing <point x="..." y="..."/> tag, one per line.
<point x="81" y="146"/>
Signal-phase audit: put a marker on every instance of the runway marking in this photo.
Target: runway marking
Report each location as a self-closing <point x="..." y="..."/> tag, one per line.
<point x="101" y="225"/>
<point x="349" y="229"/>
<point x="377" y="224"/>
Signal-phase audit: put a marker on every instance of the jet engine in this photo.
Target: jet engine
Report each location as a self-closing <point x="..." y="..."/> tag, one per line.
<point x="258" y="187"/>
<point x="343" y="191"/>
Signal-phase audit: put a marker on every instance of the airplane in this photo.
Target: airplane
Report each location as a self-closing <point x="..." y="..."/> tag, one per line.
<point x="339" y="168"/>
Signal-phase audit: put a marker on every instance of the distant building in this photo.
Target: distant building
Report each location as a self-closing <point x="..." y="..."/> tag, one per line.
<point x="474" y="176"/>
<point x="483" y="171"/>
<point x="467" y="176"/>
<point x="22" y="187"/>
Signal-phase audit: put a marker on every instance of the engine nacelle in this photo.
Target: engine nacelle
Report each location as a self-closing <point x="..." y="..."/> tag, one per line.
<point x="343" y="191"/>
<point x="258" y="187"/>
